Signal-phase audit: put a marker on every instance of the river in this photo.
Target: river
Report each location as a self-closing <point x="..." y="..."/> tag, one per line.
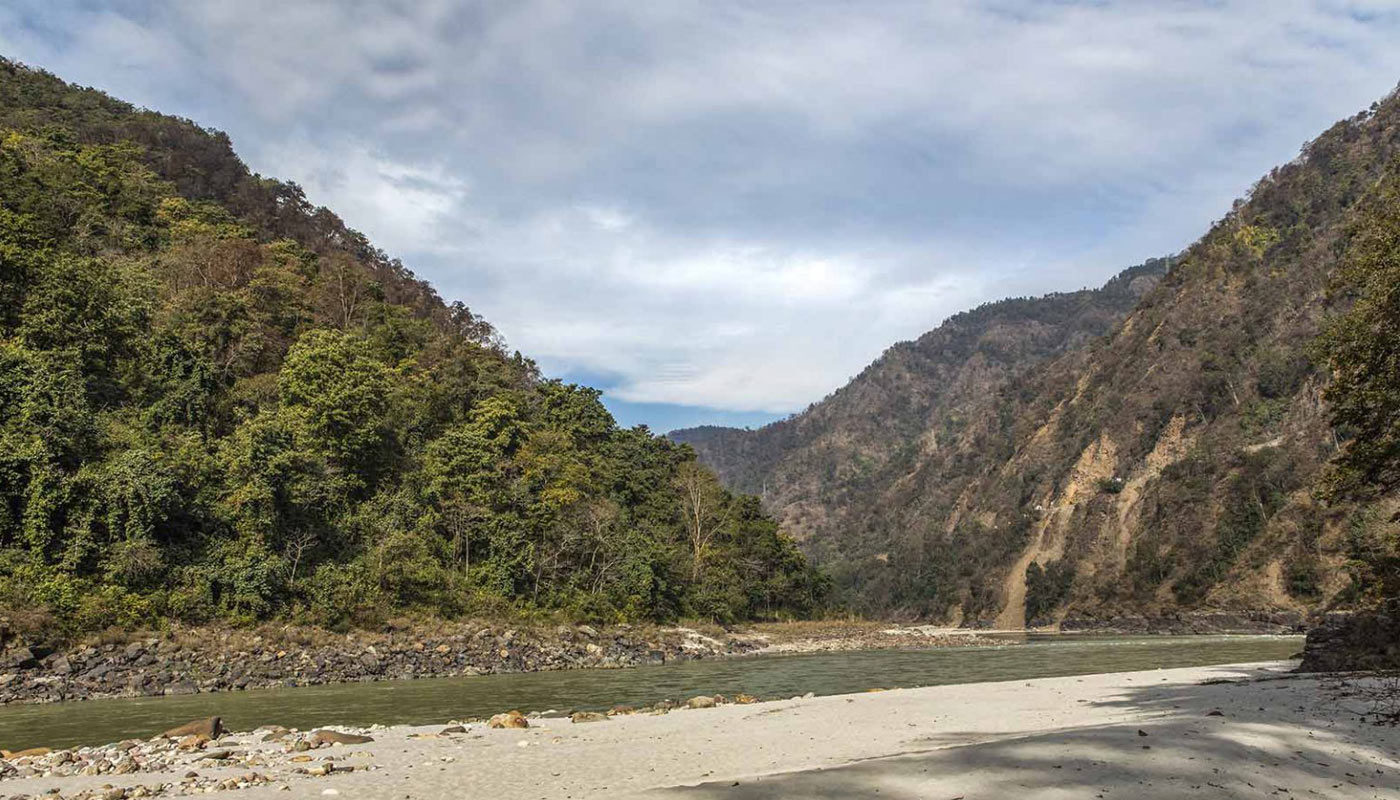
<point x="432" y="700"/>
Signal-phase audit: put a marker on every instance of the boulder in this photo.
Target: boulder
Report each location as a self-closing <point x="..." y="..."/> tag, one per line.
<point x="326" y="736"/>
<point x="21" y="658"/>
<point x="210" y="728"/>
<point x="588" y="716"/>
<point x="510" y="719"/>
<point x="700" y="701"/>
<point x="450" y="729"/>
<point x="1360" y="641"/>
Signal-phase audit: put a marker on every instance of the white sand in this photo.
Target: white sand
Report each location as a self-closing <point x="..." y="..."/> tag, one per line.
<point x="1075" y="737"/>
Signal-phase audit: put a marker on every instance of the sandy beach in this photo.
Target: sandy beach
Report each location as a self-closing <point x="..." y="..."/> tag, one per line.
<point x="1237" y="731"/>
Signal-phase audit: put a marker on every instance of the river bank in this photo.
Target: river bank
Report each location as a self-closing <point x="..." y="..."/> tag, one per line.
<point x="1237" y="731"/>
<point x="1190" y="623"/>
<point x="190" y="661"/>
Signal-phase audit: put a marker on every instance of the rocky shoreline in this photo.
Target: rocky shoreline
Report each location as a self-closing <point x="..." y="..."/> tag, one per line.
<point x="201" y="757"/>
<point x="1191" y="623"/>
<point x="189" y="662"/>
<point x="1354" y="641"/>
<point x="182" y="662"/>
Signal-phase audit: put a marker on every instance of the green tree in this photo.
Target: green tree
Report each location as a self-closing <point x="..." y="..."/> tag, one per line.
<point x="332" y="385"/>
<point x="1362" y="347"/>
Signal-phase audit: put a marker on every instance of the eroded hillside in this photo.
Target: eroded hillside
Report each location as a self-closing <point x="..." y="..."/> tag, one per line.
<point x="1170" y="464"/>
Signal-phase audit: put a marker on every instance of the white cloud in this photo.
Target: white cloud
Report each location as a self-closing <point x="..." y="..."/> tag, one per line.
<point x="407" y="207"/>
<point x="736" y="204"/>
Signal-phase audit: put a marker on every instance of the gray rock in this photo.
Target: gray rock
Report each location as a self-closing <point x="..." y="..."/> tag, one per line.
<point x="21" y="658"/>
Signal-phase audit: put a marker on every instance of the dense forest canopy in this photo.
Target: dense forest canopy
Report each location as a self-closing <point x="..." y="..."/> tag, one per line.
<point x="219" y="402"/>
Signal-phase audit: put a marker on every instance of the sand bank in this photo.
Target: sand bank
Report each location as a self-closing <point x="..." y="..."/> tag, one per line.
<point x="1164" y="734"/>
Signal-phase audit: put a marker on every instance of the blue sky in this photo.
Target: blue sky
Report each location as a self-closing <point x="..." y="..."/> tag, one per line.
<point x="721" y="211"/>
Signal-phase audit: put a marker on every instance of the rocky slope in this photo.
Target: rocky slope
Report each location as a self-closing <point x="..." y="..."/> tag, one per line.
<point x="909" y="400"/>
<point x="1170" y="465"/>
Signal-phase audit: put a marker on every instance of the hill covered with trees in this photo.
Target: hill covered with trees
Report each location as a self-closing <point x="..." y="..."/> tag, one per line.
<point x="1228" y="443"/>
<point x="217" y="402"/>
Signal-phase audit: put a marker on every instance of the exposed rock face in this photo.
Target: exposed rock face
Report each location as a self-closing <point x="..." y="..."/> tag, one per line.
<point x="1355" y="641"/>
<point x="211" y="661"/>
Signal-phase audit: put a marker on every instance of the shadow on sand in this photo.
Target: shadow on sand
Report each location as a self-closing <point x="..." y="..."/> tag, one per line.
<point x="1277" y="737"/>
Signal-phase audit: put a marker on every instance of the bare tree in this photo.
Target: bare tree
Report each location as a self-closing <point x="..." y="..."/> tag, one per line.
<point x="599" y="516"/>
<point x="347" y="287"/>
<point x="459" y="518"/>
<point x="702" y="502"/>
<point x="295" y="551"/>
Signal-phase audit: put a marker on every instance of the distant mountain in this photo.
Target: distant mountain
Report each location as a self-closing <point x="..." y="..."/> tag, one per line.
<point x="220" y="403"/>
<point x="1153" y="446"/>
<point x="871" y="431"/>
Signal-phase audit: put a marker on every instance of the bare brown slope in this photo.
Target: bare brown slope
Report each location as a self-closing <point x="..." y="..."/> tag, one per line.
<point x="907" y="401"/>
<point x="1169" y="466"/>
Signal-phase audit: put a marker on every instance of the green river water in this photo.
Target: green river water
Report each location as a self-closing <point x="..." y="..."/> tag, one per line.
<point x="433" y="700"/>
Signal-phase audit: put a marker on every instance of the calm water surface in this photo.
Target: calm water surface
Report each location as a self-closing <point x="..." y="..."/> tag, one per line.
<point x="433" y="700"/>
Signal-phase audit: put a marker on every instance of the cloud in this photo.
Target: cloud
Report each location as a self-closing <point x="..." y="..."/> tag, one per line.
<point x="736" y="205"/>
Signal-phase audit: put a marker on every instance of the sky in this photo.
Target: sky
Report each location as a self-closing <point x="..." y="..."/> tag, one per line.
<point x="719" y="212"/>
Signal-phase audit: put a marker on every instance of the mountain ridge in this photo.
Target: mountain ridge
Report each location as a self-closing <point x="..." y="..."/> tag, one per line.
<point x="995" y="340"/>
<point x="1174" y="464"/>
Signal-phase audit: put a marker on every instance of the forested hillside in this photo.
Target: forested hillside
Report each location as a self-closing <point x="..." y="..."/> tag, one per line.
<point x="219" y="402"/>
<point x="1180" y="462"/>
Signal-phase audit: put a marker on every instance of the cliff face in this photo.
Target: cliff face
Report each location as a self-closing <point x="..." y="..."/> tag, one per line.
<point x="1096" y="453"/>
